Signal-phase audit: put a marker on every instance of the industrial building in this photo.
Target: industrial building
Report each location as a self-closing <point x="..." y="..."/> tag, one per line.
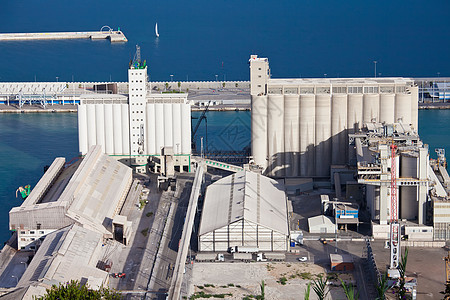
<point x="89" y="193"/>
<point x="321" y="224"/>
<point x="300" y="126"/>
<point x="419" y="186"/>
<point x="244" y="209"/>
<point x="70" y="253"/>
<point x="135" y="128"/>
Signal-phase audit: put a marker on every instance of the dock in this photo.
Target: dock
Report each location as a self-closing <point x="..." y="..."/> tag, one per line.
<point x="104" y="33"/>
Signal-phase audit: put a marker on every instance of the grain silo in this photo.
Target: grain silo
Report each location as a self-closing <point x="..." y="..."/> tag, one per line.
<point x="134" y="128"/>
<point x="300" y="126"/>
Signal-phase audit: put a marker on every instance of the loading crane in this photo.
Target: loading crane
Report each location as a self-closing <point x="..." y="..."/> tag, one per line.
<point x="200" y="119"/>
<point x="394" y="238"/>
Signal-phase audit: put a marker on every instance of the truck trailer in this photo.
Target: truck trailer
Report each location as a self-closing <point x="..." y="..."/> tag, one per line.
<point x="243" y="249"/>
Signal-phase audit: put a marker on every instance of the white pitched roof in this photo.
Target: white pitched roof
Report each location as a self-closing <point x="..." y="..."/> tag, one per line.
<point x="245" y="195"/>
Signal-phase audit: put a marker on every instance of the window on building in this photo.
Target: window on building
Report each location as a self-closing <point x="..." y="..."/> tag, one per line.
<point x="339" y="89"/>
<point x="370" y="90"/>
<point x="22" y="232"/>
<point x="400" y="89"/>
<point x="354" y="89"/>
<point x="31" y="232"/>
<point x="307" y="90"/>
<point x="323" y="90"/>
<point x="387" y="89"/>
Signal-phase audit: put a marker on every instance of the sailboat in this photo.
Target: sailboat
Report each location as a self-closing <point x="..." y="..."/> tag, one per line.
<point x="156" y="30"/>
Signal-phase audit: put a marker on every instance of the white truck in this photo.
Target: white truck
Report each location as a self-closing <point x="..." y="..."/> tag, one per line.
<point x="243" y="249"/>
<point x="209" y="257"/>
<point x="260" y="257"/>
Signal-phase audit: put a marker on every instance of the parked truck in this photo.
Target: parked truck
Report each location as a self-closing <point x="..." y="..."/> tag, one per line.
<point x="278" y="256"/>
<point x="243" y="249"/>
<point x="209" y="257"/>
<point x="260" y="257"/>
<point x="246" y="257"/>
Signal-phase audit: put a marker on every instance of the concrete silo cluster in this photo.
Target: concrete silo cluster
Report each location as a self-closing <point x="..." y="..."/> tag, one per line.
<point x="300" y="127"/>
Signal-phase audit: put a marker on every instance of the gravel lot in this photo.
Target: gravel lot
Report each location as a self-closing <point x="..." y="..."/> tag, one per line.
<point x="243" y="279"/>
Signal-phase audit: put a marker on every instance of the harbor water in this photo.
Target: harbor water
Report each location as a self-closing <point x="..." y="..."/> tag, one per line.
<point x="29" y="142"/>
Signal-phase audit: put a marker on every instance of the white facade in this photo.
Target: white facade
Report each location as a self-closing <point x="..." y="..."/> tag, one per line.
<point x="137" y="94"/>
<point x="300" y="126"/>
<point x="87" y="193"/>
<point x="137" y="127"/>
<point x="244" y="209"/>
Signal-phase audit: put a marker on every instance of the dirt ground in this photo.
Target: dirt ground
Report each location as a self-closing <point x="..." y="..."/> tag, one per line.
<point x="239" y="280"/>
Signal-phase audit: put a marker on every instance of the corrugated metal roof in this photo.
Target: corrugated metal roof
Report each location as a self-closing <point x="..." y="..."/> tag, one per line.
<point x="245" y="195"/>
<point x="66" y="254"/>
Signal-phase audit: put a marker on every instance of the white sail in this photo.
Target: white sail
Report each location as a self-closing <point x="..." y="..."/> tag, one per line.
<point x="156" y="30"/>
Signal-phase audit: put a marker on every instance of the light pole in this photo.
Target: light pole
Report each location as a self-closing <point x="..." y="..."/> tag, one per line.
<point x="57" y="78"/>
<point x="336" y="228"/>
<point x="216" y="77"/>
<point x="17" y="279"/>
<point x="171" y="77"/>
<point x="375" y="66"/>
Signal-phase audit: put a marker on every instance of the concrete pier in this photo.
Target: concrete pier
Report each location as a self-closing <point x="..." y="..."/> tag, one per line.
<point x="112" y="35"/>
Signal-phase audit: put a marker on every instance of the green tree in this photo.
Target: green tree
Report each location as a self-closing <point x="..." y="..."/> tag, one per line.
<point x="179" y="85"/>
<point x="350" y="292"/>
<point x="308" y="291"/>
<point x="320" y="287"/>
<point x="402" y="269"/>
<point x="223" y="84"/>
<point x="73" y="290"/>
<point x="263" y="287"/>
<point x="167" y="86"/>
<point x="382" y="286"/>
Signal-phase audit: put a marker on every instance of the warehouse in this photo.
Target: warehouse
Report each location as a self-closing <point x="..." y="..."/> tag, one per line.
<point x="70" y="253"/>
<point x="244" y="209"/>
<point x="89" y="193"/>
<point x="300" y="125"/>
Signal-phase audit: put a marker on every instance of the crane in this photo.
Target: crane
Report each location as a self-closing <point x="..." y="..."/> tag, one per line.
<point x="394" y="238"/>
<point x="194" y="130"/>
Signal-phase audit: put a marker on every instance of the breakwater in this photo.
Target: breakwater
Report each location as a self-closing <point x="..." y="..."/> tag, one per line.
<point x="113" y="35"/>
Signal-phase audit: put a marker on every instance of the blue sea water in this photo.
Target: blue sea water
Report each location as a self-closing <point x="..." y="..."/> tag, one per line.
<point x="198" y="40"/>
<point x="301" y="38"/>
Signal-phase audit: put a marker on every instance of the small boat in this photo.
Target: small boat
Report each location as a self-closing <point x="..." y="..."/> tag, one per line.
<point x="156" y="30"/>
